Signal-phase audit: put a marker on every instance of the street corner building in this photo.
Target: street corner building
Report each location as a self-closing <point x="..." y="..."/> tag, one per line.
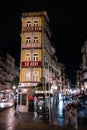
<point x="40" y="72"/>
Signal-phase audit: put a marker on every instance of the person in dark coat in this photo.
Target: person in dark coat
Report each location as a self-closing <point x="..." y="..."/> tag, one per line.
<point x="15" y="104"/>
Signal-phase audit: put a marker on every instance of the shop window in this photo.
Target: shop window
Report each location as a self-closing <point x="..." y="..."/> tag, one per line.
<point x="19" y="95"/>
<point x="24" y="97"/>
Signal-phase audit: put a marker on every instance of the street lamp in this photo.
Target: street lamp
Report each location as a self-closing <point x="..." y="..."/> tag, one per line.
<point x="14" y="89"/>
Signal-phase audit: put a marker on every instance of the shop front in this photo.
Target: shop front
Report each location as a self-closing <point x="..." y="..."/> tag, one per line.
<point x="26" y="99"/>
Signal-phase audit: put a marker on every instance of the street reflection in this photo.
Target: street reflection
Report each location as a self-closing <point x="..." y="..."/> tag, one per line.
<point x="60" y="109"/>
<point x="8" y="119"/>
<point x="58" y="118"/>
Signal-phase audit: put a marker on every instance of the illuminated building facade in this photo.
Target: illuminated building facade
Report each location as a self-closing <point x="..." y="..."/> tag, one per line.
<point x="84" y="67"/>
<point x="39" y="67"/>
<point x="8" y="71"/>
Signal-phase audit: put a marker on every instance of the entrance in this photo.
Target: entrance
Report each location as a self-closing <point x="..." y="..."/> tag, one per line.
<point x="30" y="104"/>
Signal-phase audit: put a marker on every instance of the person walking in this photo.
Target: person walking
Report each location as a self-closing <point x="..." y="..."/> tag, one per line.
<point x="66" y="115"/>
<point x="71" y="121"/>
<point x="75" y="117"/>
<point x="15" y="104"/>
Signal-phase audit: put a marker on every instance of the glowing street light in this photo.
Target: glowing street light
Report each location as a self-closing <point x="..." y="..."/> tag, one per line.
<point x="14" y="87"/>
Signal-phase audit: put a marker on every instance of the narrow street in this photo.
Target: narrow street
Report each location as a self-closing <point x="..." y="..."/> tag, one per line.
<point x="9" y="118"/>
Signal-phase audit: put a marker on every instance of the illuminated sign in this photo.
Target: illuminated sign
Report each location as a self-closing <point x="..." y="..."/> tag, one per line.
<point x="30" y="84"/>
<point x="31" y="45"/>
<point x="26" y="29"/>
<point x="31" y="63"/>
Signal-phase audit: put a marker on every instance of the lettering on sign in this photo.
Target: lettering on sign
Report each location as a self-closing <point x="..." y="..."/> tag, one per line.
<point x="31" y="63"/>
<point x="25" y="29"/>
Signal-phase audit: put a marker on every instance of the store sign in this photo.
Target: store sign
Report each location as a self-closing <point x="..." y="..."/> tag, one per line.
<point x="26" y="29"/>
<point x="31" y="45"/>
<point x="31" y="63"/>
<point x="31" y="84"/>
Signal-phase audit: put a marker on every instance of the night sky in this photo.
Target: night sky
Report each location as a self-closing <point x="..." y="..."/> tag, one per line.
<point x="68" y="24"/>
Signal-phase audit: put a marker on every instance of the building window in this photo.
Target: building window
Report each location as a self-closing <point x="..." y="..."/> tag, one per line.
<point x="24" y="97"/>
<point x="35" y="23"/>
<point x="35" y="39"/>
<point x="35" y="57"/>
<point x="28" y="39"/>
<point x="27" y="76"/>
<point x="28" y="24"/>
<point x="35" y="76"/>
<point x="27" y="57"/>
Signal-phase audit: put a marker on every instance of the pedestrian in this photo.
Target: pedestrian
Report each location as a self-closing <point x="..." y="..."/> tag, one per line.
<point x="15" y="104"/>
<point x="75" y="118"/>
<point x="66" y="115"/>
<point x="71" y="121"/>
<point x="35" y="113"/>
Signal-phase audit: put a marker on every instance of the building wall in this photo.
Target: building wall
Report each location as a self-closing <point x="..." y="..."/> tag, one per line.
<point x="84" y="66"/>
<point x="36" y="39"/>
<point x="7" y="69"/>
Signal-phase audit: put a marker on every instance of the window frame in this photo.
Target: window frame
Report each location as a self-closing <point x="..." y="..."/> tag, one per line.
<point x="35" y="58"/>
<point x="28" y="58"/>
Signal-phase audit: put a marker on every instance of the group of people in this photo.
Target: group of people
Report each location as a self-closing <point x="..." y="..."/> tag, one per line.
<point x="71" y="114"/>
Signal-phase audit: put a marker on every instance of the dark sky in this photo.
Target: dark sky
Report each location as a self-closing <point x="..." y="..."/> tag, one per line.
<point x="68" y="22"/>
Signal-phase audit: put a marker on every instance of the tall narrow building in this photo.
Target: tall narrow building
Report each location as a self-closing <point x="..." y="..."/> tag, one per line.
<point x="38" y="64"/>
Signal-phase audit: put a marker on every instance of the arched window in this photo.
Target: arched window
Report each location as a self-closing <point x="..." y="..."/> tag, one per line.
<point x="28" y="39"/>
<point x="27" y="76"/>
<point x="35" y="23"/>
<point x="28" y="23"/>
<point x="35" y="76"/>
<point x="27" y="57"/>
<point x="35" y="57"/>
<point x="35" y="39"/>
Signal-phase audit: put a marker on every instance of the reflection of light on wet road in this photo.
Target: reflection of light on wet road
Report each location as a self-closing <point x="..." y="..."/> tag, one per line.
<point x="58" y="113"/>
<point x="60" y="109"/>
<point x="60" y="119"/>
<point x="60" y="106"/>
<point x="8" y="120"/>
<point x="11" y="120"/>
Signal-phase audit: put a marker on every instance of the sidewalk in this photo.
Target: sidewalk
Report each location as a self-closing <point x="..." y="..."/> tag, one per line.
<point x="43" y="126"/>
<point x="28" y="123"/>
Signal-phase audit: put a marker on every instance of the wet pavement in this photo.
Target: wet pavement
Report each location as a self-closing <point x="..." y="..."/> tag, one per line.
<point x="58" y="117"/>
<point x="10" y="118"/>
<point x="7" y="119"/>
